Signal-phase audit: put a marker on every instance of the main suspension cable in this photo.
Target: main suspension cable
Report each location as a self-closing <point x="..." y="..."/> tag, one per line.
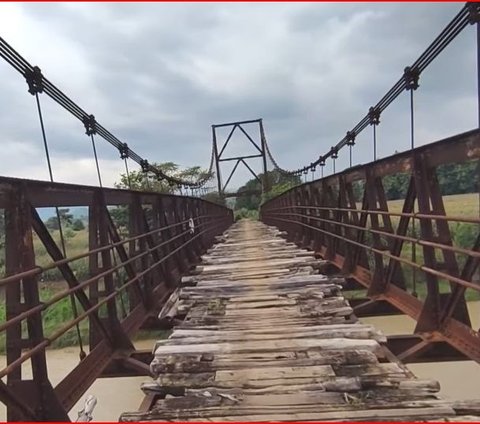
<point x="467" y="15"/>
<point x="24" y="68"/>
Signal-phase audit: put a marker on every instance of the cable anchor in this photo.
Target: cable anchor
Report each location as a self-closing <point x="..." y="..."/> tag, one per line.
<point x="123" y="149"/>
<point x="334" y="151"/>
<point x="374" y="116"/>
<point x="411" y="76"/>
<point x="90" y="124"/>
<point x="144" y="165"/>
<point x="473" y="12"/>
<point x="34" y="80"/>
<point x="350" y="137"/>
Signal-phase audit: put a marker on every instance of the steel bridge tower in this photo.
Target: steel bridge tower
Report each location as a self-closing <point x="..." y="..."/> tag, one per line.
<point x="220" y="157"/>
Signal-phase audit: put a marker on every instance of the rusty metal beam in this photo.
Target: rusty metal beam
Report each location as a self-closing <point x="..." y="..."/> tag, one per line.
<point x="365" y="307"/>
<point x="321" y="215"/>
<point x="120" y="368"/>
<point x="413" y="349"/>
<point x="161" y="258"/>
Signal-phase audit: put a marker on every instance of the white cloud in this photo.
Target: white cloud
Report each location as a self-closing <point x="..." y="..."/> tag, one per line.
<point x="158" y="75"/>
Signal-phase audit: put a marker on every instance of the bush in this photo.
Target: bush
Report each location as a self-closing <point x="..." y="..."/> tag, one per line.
<point x="245" y="213"/>
<point x="68" y="233"/>
<point x="78" y="225"/>
<point x="464" y="234"/>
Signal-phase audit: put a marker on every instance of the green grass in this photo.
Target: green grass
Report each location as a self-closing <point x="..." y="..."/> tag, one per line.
<point x="463" y="235"/>
<point x="51" y="283"/>
<point x="60" y="314"/>
<point x="53" y="318"/>
<point x="460" y="205"/>
<point x="76" y="243"/>
<point x="245" y="213"/>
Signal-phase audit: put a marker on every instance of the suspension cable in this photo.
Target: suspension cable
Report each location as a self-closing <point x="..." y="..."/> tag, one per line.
<point x="128" y="174"/>
<point x="460" y="21"/>
<point x="37" y="83"/>
<point x="96" y="161"/>
<point x="411" y="79"/>
<point x="468" y="14"/>
<point x="119" y="282"/>
<point x="14" y="59"/>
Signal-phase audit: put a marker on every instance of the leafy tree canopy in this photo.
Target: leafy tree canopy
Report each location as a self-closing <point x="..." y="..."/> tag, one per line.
<point x="140" y="181"/>
<point x="453" y="178"/>
<point x="279" y="183"/>
<point x="65" y="217"/>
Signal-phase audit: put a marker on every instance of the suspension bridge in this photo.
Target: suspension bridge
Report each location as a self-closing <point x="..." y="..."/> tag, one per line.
<point x="260" y="328"/>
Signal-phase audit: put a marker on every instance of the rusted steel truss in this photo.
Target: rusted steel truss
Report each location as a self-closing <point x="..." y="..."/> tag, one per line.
<point x="132" y="268"/>
<point x="407" y="258"/>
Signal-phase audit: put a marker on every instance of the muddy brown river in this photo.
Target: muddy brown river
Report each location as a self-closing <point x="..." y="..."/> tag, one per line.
<point x="458" y="380"/>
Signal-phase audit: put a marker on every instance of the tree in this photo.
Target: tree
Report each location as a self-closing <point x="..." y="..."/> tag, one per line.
<point x="66" y="218"/>
<point x="214" y="197"/>
<point x="52" y="223"/>
<point x="459" y="178"/>
<point x="453" y="178"/>
<point x="279" y="184"/>
<point x="119" y="216"/>
<point x="78" y="225"/>
<point x="138" y="180"/>
<point x="148" y="182"/>
<point x="396" y="185"/>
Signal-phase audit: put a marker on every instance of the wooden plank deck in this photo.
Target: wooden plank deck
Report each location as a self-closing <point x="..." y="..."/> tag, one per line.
<point x="267" y="338"/>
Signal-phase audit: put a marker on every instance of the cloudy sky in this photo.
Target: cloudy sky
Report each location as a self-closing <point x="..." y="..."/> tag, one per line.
<point x="158" y="75"/>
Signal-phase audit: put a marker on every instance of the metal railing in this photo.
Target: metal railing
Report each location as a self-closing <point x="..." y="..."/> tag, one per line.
<point x="408" y="257"/>
<point x="132" y="267"/>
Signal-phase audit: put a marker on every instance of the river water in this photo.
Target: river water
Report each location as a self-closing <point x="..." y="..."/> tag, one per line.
<point x="458" y="380"/>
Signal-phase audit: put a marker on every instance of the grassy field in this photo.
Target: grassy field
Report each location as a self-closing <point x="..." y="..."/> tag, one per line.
<point x="461" y="205"/>
<point x="76" y="242"/>
<point x="463" y="234"/>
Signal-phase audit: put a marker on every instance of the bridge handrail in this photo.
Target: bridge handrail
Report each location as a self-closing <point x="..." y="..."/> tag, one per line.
<point x="358" y="236"/>
<point x="165" y="236"/>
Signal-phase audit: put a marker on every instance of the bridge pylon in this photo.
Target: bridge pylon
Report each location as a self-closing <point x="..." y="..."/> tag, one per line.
<point x="219" y="154"/>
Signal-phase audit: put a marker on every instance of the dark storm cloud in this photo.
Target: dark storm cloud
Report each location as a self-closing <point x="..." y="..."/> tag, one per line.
<point x="158" y="75"/>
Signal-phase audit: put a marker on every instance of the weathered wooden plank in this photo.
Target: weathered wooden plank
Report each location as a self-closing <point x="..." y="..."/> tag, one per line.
<point x="287" y="345"/>
<point x="267" y="338"/>
<point x="233" y="324"/>
<point x="260" y="373"/>
<point x="179" y="332"/>
<point x="297" y="333"/>
<point x="194" y="363"/>
<point x="294" y="262"/>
